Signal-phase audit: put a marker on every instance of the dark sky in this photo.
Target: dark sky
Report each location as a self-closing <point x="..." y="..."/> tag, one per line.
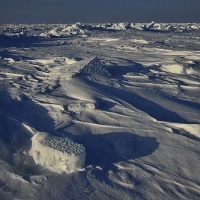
<point x="70" y="11"/>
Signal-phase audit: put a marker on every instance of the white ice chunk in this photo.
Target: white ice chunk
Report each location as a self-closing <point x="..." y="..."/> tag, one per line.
<point x="150" y="25"/>
<point x="57" y="154"/>
<point x="10" y="60"/>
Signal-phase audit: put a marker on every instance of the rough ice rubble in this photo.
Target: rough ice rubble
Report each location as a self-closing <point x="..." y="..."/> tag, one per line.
<point x="57" y="154"/>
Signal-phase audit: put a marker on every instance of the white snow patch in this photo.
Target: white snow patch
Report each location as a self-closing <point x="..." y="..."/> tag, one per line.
<point x="150" y="25"/>
<point x="10" y="60"/>
<point x="111" y="39"/>
<point x="173" y="68"/>
<point x="141" y="41"/>
<point x="28" y="128"/>
<point x="57" y="154"/>
<point x="193" y="129"/>
<point x="104" y="39"/>
<point x="11" y="75"/>
<point x="192" y="70"/>
<point x="136" y="26"/>
<point x="43" y="61"/>
<point x="70" y="61"/>
<point x="54" y="60"/>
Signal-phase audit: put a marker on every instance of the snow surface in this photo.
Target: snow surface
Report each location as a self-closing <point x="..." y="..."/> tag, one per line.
<point x="100" y="111"/>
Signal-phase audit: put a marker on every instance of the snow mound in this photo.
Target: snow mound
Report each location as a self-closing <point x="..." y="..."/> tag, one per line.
<point x="95" y="66"/>
<point x="57" y="154"/>
<point x="82" y="105"/>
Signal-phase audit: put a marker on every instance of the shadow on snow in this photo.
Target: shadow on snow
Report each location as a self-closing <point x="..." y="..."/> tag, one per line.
<point x="153" y="109"/>
<point x="106" y="149"/>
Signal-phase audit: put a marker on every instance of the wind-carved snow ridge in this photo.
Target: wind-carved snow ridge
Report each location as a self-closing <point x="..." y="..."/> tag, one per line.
<point x="60" y="155"/>
<point x="95" y="66"/>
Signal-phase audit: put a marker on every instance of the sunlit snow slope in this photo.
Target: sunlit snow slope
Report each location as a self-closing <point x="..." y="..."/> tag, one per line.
<point x="107" y="111"/>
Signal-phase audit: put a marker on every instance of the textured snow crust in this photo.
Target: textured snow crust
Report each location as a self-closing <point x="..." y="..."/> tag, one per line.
<point x="60" y="155"/>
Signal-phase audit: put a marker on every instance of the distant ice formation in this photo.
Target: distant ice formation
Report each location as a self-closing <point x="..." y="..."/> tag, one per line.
<point x="57" y="154"/>
<point x="65" y="30"/>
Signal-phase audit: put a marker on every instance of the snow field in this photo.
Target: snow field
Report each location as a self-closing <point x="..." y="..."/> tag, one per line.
<point x="129" y="93"/>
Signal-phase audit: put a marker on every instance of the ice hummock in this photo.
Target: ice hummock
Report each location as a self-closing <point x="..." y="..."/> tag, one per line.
<point x="57" y="154"/>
